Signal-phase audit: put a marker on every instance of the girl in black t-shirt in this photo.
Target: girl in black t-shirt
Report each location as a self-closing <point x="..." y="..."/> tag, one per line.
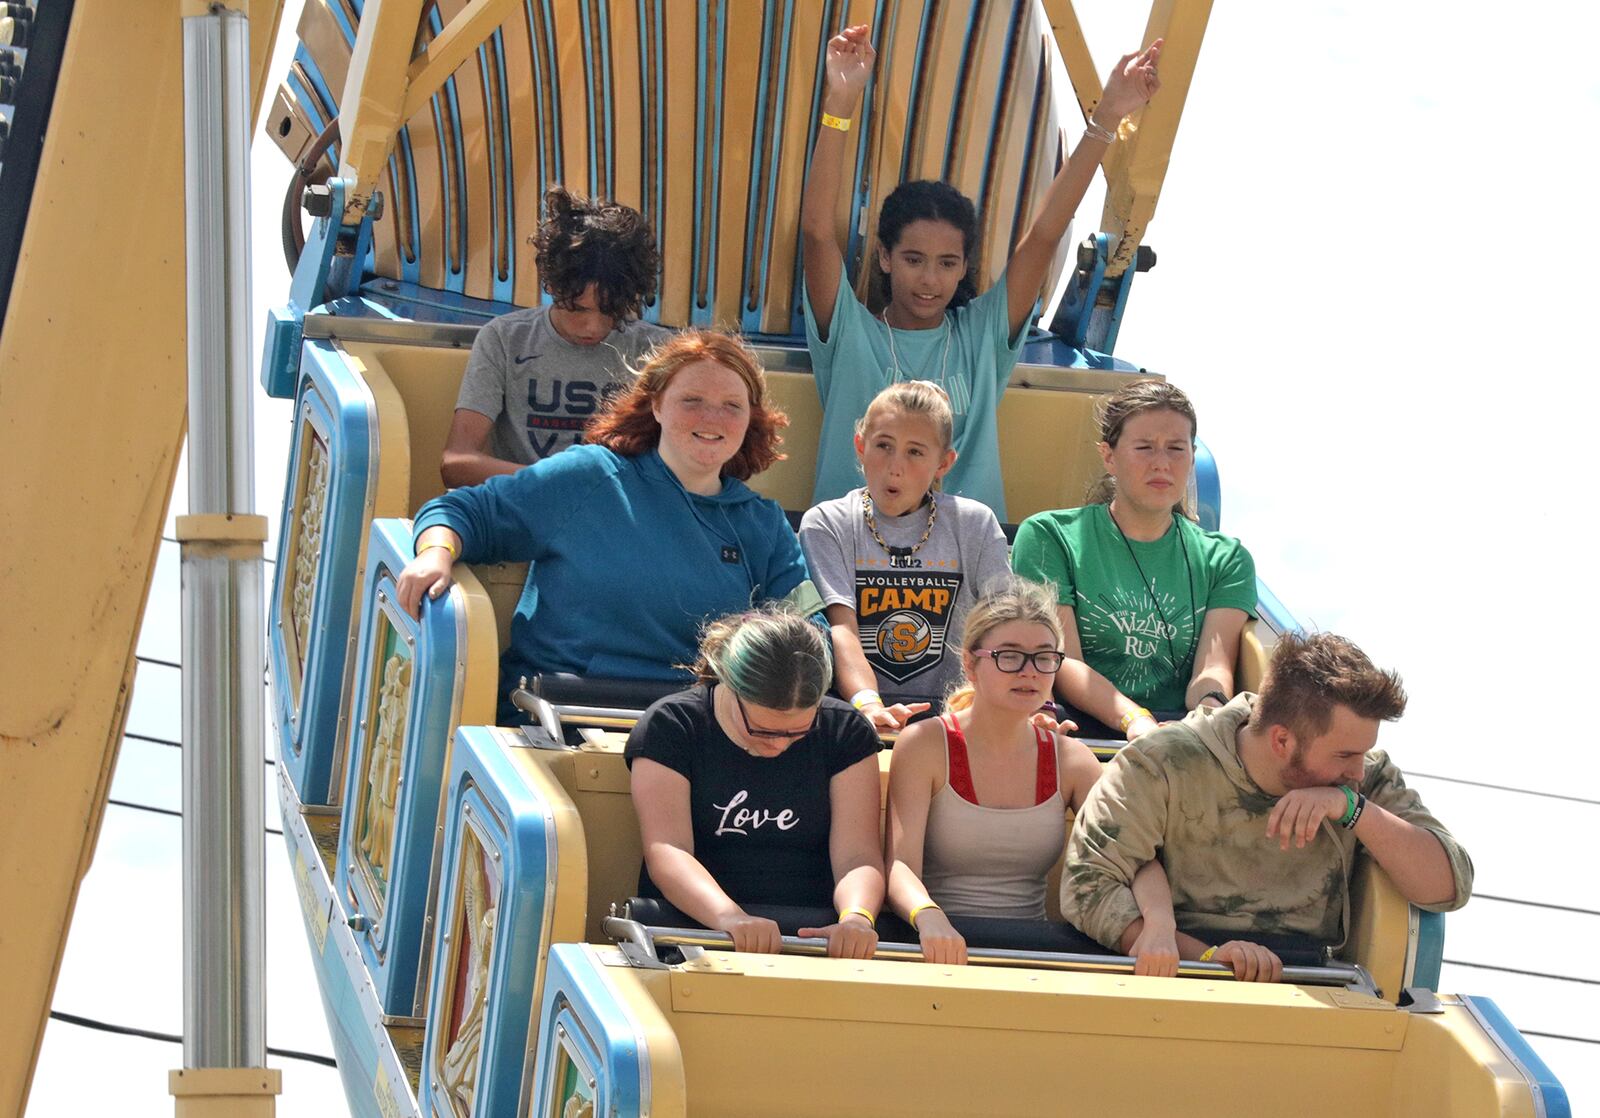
<point x="757" y="788"/>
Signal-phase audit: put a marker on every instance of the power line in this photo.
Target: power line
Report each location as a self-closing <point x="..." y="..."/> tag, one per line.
<point x="1537" y="904"/>
<point x="1526" y="973"/>
<point x="175" y="744"/>
<point x="158" y="661"/>
<point x="1560" y="1036"/>
<point x="173" y="1038"/>
<point x="1503" y="788"/>
<point x="164" y="811"/>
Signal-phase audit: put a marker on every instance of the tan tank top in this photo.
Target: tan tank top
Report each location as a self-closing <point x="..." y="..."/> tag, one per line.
<point x="991" y="861"/>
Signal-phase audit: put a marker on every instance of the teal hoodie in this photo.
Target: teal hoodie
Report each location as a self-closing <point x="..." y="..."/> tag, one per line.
<point x="625" y="564"/>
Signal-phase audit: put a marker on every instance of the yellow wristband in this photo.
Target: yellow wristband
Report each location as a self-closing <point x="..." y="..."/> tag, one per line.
<point x="920" y="908"/>
<point x="841" y="123"/>
<point x="1133" y="716"/>
<point x="1205" y="956"/>
<point x="871" y="921"/>
<point x="447" y="545"/>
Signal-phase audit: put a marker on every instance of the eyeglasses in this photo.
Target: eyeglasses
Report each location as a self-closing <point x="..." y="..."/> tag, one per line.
<point x="775" y="735"/>
<point x="1013" y="660"/>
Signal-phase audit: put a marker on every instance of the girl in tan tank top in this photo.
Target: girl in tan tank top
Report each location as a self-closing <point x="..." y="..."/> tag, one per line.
<point x="978" y="798"/>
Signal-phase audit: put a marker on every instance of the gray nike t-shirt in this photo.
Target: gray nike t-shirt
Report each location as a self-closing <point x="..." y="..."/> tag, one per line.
<point x="539" y="388"/>
<point x="909" y="606"/>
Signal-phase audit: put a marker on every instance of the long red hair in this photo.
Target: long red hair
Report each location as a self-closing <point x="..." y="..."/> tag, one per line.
<point x="628" y="424"/>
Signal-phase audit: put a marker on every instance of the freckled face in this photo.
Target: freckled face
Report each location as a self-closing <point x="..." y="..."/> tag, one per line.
<point x="704" y="413"/>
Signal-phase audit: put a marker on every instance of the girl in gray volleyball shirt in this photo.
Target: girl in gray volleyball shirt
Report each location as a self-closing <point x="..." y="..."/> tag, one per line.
<point x="898" y="563"/>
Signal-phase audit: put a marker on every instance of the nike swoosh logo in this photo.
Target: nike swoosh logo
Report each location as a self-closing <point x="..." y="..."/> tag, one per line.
<point x="530" y="357"/>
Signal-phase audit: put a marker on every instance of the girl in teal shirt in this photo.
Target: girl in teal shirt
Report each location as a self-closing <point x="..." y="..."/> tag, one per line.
<point x="934" y="326"/>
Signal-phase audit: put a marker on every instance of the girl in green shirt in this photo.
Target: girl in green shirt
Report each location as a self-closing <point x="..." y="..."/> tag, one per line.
<point x="1153" y="605"/>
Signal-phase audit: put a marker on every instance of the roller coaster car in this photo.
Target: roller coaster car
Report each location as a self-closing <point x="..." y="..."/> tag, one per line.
<point x="458" y="879"/>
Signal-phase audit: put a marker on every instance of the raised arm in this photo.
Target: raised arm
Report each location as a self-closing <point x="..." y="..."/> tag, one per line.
<point x="1133" y="81"/>
<point x="1216" y="654"/>
<point x="913" y="773"/>
<point x="661" y="800"/>
<point x="845" y="73"/>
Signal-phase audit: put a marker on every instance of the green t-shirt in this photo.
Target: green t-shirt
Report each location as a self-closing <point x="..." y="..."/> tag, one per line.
<point x="1144" y="645"/>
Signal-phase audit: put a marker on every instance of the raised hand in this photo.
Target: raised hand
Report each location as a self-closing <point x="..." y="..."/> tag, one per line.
<point x="849" y="63"/>
<point x="1133" y="81"/>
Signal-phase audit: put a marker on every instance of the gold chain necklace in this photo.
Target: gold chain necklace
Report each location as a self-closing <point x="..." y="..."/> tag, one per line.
<point x="872" y="526"/>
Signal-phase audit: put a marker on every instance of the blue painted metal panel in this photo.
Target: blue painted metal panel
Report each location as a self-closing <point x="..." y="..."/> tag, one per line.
<point x="488" y="796"/>
<point x="392" y="943"/>
<point x="1550" y="1097"/>
<point x="1273" y="611"/>
<point x="1430" y="950"/>
<point x="1207" y="488"/>
<point x="375" y="1085"/>
<point x="578" y="997"/>
<point x="334" y="406"/>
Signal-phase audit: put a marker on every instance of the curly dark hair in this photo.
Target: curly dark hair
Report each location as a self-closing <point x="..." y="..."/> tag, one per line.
<point x="628" y="424"/>
<point x="583" y="241"/>
<point x="927" y="200"/>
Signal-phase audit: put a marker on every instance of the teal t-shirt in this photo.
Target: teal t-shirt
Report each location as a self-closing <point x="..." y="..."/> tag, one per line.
<point x="1140" y="631"/>
<point x="971" y="356"/>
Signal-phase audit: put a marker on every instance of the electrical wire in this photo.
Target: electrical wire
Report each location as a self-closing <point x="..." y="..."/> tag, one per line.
<point x="154" y="810"/>
<point x="169" y="743"/>
<point x="172" y="1038"/>
<point x="1503" y="788"/>
<point x="1525" y="973"/>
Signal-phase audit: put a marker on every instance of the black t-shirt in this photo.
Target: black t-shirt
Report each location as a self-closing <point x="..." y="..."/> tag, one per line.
<point x="760" y="823"/>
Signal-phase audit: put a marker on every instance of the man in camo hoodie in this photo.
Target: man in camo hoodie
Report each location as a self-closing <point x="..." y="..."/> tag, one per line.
<point x="1257" y="810"/>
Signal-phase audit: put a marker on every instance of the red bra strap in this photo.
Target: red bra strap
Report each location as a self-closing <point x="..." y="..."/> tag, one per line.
<point x="955" y="746"/>
<point x="1045" y="782"/>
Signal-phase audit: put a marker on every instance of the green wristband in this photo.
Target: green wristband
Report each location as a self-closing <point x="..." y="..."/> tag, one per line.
<point x="1350" y="806"/>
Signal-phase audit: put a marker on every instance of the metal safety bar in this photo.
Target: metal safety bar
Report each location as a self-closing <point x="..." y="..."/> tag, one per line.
<point x="649" y="938"/>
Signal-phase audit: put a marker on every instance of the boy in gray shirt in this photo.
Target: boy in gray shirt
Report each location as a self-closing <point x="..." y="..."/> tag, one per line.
<point x="537" y="375"/>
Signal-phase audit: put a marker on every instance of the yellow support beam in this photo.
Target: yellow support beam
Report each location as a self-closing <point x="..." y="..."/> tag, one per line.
<point x="1075" y="53"/>
<point x="452" y="47"/>
<point x="1137" y="165"/>
<point x="92" y="372"/>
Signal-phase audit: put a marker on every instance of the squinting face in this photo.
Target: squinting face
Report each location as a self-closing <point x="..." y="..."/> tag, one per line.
<point x="902" y="457"/>
<point x="1026" y="690"/>
<point x="1152" y="459"/>
<point x="1338" y="756"/>
<point x="925" y="266"/>
<point x="704" y="413"/>
<point x="582" y="322"/>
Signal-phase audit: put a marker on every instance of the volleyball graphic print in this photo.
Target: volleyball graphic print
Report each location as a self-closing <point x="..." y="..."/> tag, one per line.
<point x="903" y="619"/>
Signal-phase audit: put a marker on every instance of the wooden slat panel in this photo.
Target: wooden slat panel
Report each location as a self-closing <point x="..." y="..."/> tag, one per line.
<point x="426" y="161"/>
<point x="572" y="56"/>
<point x="779" y="295"/>
<point x="472" y="208"/>
<point x="627" y="106"/>
<point x="997" y="208"/>
<point x="739" y="91"/>
<point x="677" y="235"/>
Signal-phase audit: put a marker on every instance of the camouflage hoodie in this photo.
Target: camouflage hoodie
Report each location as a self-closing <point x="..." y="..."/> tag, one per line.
<point x="1182" y="792"/>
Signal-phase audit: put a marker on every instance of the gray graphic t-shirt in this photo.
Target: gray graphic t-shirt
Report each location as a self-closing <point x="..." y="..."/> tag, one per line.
<point x="539" y="388"/>
<point x="909" y="607"/>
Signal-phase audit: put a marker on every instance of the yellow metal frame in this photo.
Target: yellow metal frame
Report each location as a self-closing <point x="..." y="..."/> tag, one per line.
<point x="1137" y="166"/>
<point x="92" y="369"/>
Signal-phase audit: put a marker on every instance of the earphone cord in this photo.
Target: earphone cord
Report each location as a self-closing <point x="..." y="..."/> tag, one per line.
<point x="1166" y="626"/>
